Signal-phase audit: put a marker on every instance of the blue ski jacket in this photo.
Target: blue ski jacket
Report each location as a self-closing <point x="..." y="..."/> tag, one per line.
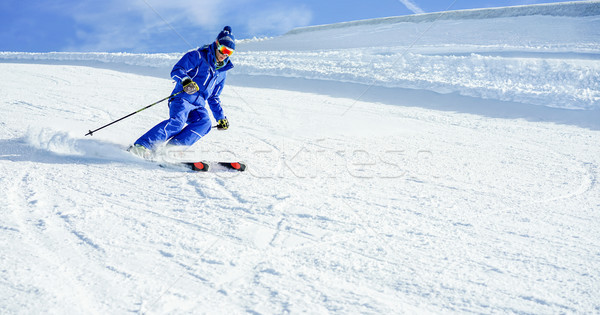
<point x="200" y="66"/>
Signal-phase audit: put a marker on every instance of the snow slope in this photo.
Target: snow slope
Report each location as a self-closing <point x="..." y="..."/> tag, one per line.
<point x="386" y="182"/>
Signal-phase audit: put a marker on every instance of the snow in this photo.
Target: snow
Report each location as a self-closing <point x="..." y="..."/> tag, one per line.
<point x="435" y="173"/>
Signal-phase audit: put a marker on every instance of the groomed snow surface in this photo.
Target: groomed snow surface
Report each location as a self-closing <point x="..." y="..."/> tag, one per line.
<point x="410" y="188"/>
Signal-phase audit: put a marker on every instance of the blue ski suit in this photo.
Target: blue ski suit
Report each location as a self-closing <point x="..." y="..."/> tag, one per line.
<point x="188" y="109"/>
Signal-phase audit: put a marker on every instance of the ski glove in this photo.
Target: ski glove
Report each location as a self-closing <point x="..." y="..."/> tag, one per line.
<point x="189" y="86"/>
<point x="223" y="124"/>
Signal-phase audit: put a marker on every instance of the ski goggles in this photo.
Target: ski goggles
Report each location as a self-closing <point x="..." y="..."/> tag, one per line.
<point x="224" y="49"/>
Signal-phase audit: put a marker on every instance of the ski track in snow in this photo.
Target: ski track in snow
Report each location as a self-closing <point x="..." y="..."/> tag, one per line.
<point x="380" y="204"/>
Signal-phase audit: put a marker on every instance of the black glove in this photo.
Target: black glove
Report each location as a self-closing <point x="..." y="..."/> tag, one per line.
<point x="189" y="86"/>
<point x="223" y="124"/>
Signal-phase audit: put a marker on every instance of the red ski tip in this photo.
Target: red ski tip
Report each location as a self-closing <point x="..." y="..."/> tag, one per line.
<point x="236" y="166"/>
<point x="199" y="165"/>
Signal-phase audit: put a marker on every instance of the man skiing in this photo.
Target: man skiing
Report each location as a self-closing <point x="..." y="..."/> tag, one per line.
<point x="200" y="74"/>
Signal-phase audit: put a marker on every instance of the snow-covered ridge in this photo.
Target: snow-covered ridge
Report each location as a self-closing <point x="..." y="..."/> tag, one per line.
<point x="568" y="84"/>
<point x="570" y="9"/>
<point x="146" y="60"/>
<point x="555" y="82"/>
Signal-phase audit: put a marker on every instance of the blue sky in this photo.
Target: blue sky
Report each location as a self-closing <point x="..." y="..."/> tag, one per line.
<point x="153" y="26"/>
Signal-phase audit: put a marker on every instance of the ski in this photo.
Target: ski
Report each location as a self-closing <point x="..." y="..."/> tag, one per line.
<point x="204" y="166"/>
<point x="200" y="166"/>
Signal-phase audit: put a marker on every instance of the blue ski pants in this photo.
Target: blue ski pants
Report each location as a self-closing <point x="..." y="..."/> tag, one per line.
<point x="181" y="112"/>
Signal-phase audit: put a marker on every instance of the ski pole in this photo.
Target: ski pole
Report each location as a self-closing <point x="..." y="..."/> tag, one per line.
<point x="91" y="132"/>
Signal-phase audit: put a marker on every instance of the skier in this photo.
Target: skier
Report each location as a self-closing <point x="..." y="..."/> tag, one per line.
<point x="201" y="74"/>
